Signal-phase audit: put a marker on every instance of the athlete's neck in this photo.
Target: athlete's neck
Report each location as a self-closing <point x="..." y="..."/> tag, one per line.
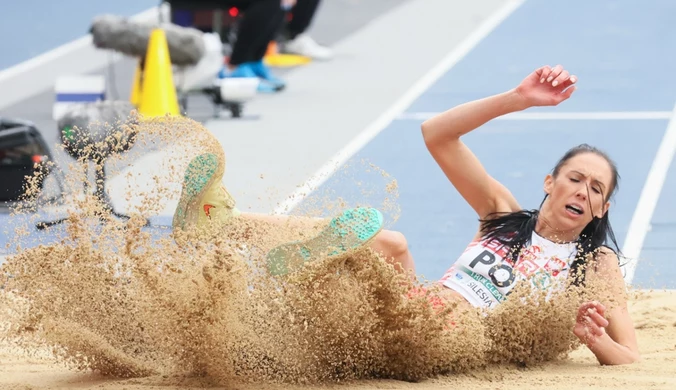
<point x="544" y="229"/>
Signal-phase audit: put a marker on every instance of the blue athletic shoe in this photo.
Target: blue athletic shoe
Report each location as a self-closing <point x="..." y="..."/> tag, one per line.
<point x="263" y="71"/>
<point x="350" y="230"/>
<point x="249" y="69"/>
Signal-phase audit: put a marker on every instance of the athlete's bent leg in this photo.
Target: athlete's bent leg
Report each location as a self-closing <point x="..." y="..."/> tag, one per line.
<point x="205" y="200"/>
<point x="392" y="245"/>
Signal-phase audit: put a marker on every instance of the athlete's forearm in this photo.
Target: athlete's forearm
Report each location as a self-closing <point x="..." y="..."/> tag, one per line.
<point x="462" y="119"/>
<point x="609" y="352"/>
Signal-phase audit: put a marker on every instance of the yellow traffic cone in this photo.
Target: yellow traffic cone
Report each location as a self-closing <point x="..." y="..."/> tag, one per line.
<point x="135" y="97"/>
<point x="158" y="97"/>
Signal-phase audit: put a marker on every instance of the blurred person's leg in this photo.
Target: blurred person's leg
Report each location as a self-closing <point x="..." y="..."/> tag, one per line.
<point x="259" y="24"/>
<point x="299" y="42"/>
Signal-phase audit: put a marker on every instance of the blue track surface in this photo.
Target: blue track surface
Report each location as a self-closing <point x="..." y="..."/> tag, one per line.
<point x="615" y="48"/>
<point x="622" y="52"/>
<point x="31" y="27"/>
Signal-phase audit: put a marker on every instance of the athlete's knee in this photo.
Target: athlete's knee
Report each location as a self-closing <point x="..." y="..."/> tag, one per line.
<point x="391" y="243"/>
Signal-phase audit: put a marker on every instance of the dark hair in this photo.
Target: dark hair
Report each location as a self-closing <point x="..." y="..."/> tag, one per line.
<point x="515" y="229"/>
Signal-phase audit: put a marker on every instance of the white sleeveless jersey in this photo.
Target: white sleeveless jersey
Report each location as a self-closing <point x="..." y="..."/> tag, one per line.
<point x="485" y="273"/>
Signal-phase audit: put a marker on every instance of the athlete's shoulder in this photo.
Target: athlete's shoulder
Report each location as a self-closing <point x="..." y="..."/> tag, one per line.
<point x="607" y="254"/>
<point x="602" y="259"/>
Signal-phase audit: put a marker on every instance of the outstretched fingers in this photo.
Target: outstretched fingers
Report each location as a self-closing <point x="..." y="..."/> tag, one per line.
<point x="559" y="78"/>
<point x="596" y="323"/>
<point x="547" y="86"/>
<point x="544" y="73"/>
<point x="597" y="318"/>
<point x="591" y="315"/>
<point x="562" y="77"/>
<point x="550" y="74"/>
<point x="556" y="75"/>
<point x="566" y="82"/>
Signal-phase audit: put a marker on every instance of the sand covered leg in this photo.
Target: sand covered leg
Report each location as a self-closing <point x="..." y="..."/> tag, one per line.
<point x="352" y="229"/>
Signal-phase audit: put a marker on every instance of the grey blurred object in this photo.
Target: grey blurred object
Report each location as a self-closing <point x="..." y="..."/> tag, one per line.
<point x="186" y="45"/>
<point x="198" y="57"/>
<point x="94" y="132"/>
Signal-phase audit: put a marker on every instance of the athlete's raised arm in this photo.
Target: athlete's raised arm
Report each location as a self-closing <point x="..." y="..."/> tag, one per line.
<point x="545" y="86"/>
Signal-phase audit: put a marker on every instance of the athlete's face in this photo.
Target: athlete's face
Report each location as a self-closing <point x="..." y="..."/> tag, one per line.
<point x="579" y="192"/>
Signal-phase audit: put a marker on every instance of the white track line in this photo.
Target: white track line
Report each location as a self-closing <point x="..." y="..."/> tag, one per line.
<point x="417" y="89"/>
<point x="643" y="214"/>
<point x="592" y="115"/>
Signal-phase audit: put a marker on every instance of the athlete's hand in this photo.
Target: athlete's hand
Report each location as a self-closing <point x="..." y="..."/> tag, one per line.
<point x="590" y="323"/>
<point x="547" y="86"/>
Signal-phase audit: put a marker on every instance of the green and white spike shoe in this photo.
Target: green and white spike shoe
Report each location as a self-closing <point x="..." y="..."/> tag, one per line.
<point x="204" y="199"/>
<point x="350" y="230"/>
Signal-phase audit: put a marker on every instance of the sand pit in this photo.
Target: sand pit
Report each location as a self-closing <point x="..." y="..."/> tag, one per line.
<point x="654" y="313"/>
<point x="110" y="306"/>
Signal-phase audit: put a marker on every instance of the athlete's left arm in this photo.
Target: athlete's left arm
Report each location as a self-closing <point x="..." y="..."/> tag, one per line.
<point x="615" y="340"/>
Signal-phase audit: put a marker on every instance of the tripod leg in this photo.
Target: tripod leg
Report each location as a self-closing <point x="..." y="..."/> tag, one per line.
<point x="101" y="196"/>
<point x="101" y="192"/>
<point x="44" y="225"/>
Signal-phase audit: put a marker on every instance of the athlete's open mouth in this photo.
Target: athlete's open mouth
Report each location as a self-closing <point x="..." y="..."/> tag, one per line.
<point x="575" y="209"/>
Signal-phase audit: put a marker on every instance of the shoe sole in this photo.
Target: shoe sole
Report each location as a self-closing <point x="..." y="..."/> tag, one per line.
<point x="200" y="175"/>
<point x="344" y="234"/>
